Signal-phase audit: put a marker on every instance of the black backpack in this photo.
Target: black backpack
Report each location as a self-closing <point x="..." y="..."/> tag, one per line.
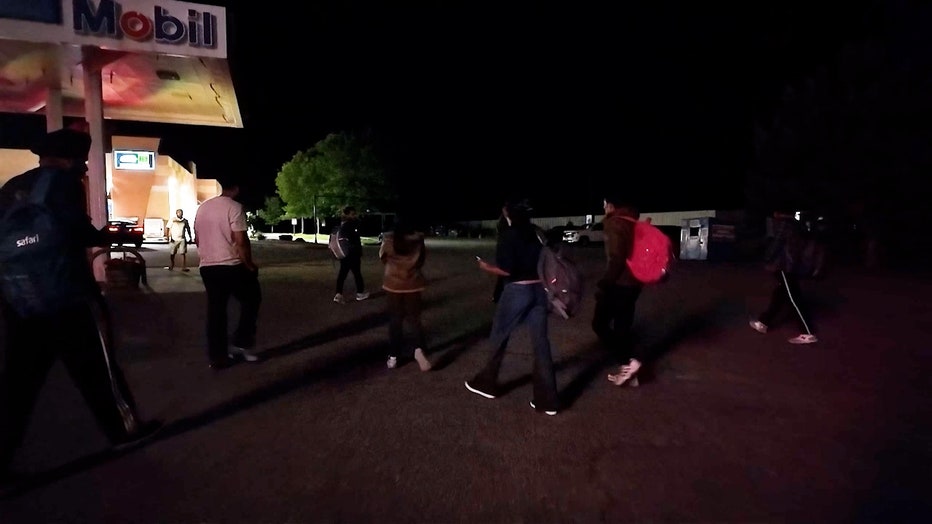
<point x="38" y="271"/>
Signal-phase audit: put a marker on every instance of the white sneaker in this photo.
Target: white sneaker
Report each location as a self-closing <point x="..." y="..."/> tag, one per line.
<point x="804" y="338"/>
<point x="422" y="361"/>
<point x="362" y="296"/>
<point x="391" y="363"/>
<point x="550" y="412"/>
<point x="236" y="352"/>
<point x="338" y="298"/>
<point x="758" y="326"/>
<point x="627" y="374"/>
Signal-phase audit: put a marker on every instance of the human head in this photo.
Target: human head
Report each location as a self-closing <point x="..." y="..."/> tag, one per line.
<point x="179" y="213"/>
<point x="614" y="203"/>
<point x="349" y="213"/>
<point x="518" y="211"/>
<point x="230" y="184"/>
<point x="66" y="149"/>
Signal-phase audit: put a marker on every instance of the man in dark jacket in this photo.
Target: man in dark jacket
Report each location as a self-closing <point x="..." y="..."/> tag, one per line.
<point x="352" y="262"/>
<point x="782" y="260"/>
<point x="78" y="329"/>
<point x="618" y="290"/>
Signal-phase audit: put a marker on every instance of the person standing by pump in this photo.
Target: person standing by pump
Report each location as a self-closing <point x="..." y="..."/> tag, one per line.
<point x="179" y="236"/>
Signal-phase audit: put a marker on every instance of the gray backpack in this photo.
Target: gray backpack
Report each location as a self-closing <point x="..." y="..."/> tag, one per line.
<point x="339" y="245"/>
<point x="561" y="278"/>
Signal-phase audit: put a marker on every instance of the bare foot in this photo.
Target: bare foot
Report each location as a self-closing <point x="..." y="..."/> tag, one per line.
<point x="422" y="361"/>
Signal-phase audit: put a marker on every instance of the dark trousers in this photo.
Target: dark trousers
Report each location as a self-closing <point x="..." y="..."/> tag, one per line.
<point x="787" y="297"/>
<point x="349" y="264"/>
<point x="613" y="317"/>
<point x="222" y="282"/>
<point x="404" y="307"/>
<point x="81" y="337"/>
<point x="522" y="304"/>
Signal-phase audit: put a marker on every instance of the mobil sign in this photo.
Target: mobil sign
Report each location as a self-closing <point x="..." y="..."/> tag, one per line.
<point x="161" y="26"/>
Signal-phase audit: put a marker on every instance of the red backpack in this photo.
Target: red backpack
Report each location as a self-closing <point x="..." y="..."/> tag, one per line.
<point x="652" y="253"/>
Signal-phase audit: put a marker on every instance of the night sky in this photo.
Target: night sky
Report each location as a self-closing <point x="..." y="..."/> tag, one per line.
<point x="471" y="101"/>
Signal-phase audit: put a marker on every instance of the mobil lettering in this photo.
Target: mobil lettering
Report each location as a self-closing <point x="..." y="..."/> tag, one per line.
<point x="109" y="19"/>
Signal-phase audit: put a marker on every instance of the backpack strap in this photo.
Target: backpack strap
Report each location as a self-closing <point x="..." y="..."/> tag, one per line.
<point x="40" y="190"/>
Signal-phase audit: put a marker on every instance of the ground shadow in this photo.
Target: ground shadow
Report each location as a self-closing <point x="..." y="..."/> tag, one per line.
<point x="441" y="358"/>
<point x="357" y="360"/>
<point x="593" y="360"/>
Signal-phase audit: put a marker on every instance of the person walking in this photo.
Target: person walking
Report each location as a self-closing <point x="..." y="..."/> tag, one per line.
<point x="500" y="227"/>
<point x="781" y="259"/>
<point x="352" y="262"/>
<point x="78" y="328"/>
<point x="523" y="301"/>
<point x="403" y="254"/>
<point x="179" y="236"/>
<point x="617" y="290"/>
<point x="227" y="269"/>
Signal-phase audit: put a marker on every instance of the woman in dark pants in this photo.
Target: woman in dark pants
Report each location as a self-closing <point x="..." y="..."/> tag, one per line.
<point x="403" y="253"/>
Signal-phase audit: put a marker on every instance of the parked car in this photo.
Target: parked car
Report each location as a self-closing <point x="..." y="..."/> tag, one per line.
<point x="124" y="232"/>
<point x="592" y="233"/>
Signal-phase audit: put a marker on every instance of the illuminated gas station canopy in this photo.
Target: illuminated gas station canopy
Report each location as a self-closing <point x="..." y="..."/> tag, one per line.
<point x="160" y="60"/>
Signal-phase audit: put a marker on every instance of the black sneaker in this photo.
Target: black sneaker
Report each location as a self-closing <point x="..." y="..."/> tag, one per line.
<point x="485" y="392"/>
<point x="146" y="431"/>
<point x="223" y="363"/>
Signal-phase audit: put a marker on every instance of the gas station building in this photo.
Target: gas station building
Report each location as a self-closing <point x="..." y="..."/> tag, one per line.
<point x="158" y="61"/>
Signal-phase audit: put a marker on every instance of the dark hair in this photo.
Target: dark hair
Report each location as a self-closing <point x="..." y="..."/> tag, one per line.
<point x="622" y="204"/>
<point x="519" y="210"/>
<point x="400" y="236"/>
<point x="348" y="210"/>
<point x="230" y="179"/>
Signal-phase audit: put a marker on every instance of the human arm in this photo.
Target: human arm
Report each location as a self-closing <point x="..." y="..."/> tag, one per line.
<point x="492" y="268"/>
<point x="187" y="231"/>
<point x="240" y="238"/>
<point x="619" y="238"/>
<point x="68" y="197"/>
<point x="244" y="249"/>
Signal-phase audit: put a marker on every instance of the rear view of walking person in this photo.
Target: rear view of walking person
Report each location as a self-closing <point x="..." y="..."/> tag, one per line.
<point x="53" y="307"/>
<point x="227" y="270"/>
<point x="352" y="262"/>
<point x="523" y="301"/>
<point x="781" y="259"/>
<point x="618" y="291"/>
<point x="403" y="253"/>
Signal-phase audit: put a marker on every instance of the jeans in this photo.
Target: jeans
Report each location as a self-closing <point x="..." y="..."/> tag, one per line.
<point x="522" y="304"/>
<point x="613" y="317"/>
<point x="222" y="282"/>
